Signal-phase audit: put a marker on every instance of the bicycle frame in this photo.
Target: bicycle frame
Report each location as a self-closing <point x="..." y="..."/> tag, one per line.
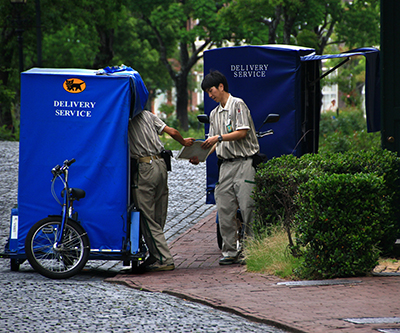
<point x="67" y="208"/>
<point x="58" y="247"/>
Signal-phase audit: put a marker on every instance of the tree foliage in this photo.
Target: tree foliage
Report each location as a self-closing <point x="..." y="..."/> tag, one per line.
<point x="180" y="31"/>
<point x="135" y="50"/>
<point x="165" y="39"/>
<point x="310" y="23"/>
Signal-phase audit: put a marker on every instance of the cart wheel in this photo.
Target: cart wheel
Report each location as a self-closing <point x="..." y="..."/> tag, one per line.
<point x="14" y="265"/>
<point x="65" y="261"/>
<point x="138" y="267"/>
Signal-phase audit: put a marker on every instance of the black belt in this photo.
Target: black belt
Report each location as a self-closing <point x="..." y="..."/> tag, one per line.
<point x="223" y="160"/>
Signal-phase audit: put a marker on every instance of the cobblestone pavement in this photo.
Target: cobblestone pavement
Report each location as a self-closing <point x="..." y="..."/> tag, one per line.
<point x="85" y="303"/>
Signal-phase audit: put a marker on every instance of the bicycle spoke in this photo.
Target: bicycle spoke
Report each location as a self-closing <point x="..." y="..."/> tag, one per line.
<point x="61" y="260"/>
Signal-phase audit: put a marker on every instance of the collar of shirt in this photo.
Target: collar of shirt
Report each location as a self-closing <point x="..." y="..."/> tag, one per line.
<point x="228" y="104"/>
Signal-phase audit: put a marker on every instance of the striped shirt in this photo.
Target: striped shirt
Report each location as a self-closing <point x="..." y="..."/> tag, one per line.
<point x="234" y="116"/>
<point x="143" y="132"/>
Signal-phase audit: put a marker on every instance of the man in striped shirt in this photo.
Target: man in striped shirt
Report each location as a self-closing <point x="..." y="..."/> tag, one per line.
<point x="233" y="135"/>
<point x="150" y="187"/>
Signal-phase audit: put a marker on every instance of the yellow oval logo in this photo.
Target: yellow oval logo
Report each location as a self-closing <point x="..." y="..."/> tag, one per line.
<point x="74" y="86"/>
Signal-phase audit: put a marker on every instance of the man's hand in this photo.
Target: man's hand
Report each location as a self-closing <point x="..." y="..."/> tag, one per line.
<point x="194" y="160"/>
<point x="178" y="137"/>
<point x="233" y="136"/>
<point x="210" y="142"/>
<point x="188" y="142"/>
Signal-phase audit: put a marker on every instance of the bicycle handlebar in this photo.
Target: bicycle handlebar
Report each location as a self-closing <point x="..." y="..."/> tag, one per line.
<point x="58" y="170"/>
<point x="262" y="134"/>
<point x="68" y="163"/>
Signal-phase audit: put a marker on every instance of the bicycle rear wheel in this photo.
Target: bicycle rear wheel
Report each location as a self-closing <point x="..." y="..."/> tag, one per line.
<point x="63" y="261"/>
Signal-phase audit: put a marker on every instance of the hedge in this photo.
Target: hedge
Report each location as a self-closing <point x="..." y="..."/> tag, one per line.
<point x="277" y="192"/>
<point x="341" y="218"/>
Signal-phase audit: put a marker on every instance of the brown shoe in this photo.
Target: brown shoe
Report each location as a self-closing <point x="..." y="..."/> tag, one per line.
<point x="157" y="267"/>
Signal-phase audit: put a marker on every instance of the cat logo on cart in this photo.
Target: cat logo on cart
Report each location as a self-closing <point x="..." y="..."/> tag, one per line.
<point x="74" y="86"/>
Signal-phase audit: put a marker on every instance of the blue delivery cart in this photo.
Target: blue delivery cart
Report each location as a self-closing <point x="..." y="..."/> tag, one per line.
<point x="80" y="114"/>
<point x="283" y="80"/>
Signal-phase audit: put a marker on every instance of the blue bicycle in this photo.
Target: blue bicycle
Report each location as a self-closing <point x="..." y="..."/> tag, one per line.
<point x="57" y="246"/>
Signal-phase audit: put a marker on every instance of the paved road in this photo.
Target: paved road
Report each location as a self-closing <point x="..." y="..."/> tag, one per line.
<point x="85" y="303"/>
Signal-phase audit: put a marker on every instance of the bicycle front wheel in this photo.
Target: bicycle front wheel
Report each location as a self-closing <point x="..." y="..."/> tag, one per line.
<point x="61" y="261"/>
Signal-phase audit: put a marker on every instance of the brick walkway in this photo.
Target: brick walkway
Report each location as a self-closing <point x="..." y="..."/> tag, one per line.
<point x="310" y="307"/>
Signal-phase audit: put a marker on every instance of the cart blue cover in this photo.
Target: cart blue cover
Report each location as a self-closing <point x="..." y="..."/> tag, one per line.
<point x="76" y="113"/>
<point x="273" y="79"/>
<point x="267" y="78"/>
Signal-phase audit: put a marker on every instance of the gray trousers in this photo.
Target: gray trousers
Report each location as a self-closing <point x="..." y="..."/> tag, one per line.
<point x="151" y="198"/>
<point x="233" y="191"/>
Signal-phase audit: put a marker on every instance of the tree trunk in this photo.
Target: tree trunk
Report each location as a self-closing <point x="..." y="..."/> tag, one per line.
<point x="182" y="100"/>
<point x="324" y="35"/>
<point x="106" y="52"/>
<point x="287" y="28"/>
<point x="5" y="108"/>
<point x="273" y="25"/>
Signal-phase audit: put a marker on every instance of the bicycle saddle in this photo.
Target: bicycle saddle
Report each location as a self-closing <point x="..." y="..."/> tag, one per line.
<point x="75" y="193"/>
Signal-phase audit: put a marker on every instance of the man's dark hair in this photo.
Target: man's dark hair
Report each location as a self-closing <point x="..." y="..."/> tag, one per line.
<point x="213" y="79"/>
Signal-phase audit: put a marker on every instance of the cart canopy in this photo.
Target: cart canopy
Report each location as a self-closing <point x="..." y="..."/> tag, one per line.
<point x="283" y="79"/>
<point x="81" y="114"/>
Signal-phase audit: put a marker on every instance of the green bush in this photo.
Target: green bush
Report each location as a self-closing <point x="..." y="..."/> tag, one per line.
<point x="276" y="184"/>
<point x="348" y="121"/>
<point x="334" y="226"/>
<point x="337" y="142"/>
<point x="275" y="187"/>
<point x="278" y="181"/>
<point x="7" y="134"/>
<point x="9" y="117"/>
<point x="346" y="132"/>
<point x="382" y="163"/>
<point x="340" y="221"/>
